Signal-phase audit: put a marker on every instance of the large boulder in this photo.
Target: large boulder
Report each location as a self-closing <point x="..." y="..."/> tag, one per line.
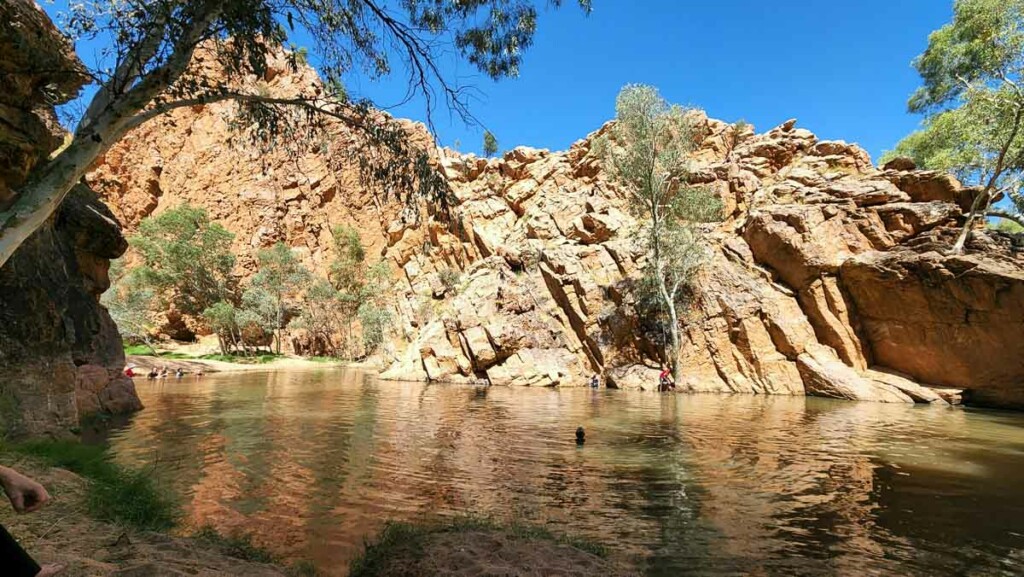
<point x="948" y="320"/>
<point x="824" y="375"/>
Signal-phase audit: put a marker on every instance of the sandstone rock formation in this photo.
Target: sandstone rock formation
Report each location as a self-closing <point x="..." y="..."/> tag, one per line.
<point x="827" y="276"/>
<point x="60" y="354"/>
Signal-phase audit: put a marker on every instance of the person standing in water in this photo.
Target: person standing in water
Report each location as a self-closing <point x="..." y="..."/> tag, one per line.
<point x="665" y="383"/>
<point x="26" y="496"/>
<point x="595" y="381"/>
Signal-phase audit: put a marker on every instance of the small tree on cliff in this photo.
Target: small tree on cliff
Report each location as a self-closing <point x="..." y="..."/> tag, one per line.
<point x="146" y="48"/>
<point x="973" y="101"/>
<point x="646" y="151"/>
<point x="374" y="309"/>
<point x="490" y="143"/>
<point x="186" y="258"/>
<point x="280" y="280"/>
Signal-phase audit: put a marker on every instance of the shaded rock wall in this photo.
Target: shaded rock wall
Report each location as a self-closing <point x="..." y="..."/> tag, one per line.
<point x="60" y="354"/>
<point x="809" y="285"/>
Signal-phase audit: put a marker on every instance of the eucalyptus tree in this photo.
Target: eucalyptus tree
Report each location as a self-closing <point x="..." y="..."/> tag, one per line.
<point x="186" y="258"/>
<point x="147" y="47"/>
<point x="973" y="101"/>
<point x="490" y="143"/>
<point x="131" y="304"/>
<point x="279" y="282"/>
<point x="647" y="152"/>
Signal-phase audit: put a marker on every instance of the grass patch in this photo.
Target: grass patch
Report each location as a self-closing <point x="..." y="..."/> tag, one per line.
<point x="401" y="539"/>
<point x="132" y="498"/>
<point x="116" y="494"/>
<point x="241" y="359"/>
<point x="142" y="350"/>
<point x="138" y="350"/>
<point x="242" y="547"/>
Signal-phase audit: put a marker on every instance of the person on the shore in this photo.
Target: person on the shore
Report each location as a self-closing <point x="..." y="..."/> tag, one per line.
<point x="27" y="496"/>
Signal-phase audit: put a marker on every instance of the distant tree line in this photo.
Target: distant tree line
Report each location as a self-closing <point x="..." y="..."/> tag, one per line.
<point x="187" y="268"/>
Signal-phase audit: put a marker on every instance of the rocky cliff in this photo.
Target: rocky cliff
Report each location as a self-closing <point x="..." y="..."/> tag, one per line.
<point x="828" y="276"/>
<point x="60" y="354"/>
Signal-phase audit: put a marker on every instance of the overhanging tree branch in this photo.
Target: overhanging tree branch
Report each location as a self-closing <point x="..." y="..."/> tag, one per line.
<point x="995" y="213"/>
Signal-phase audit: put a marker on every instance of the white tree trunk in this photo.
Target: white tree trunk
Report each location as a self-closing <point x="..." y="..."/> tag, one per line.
<point x="107" y="119"/>
<point x="39" y="199"/>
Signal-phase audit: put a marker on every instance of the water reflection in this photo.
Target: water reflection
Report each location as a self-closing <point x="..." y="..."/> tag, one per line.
<point x="314" y="462"/>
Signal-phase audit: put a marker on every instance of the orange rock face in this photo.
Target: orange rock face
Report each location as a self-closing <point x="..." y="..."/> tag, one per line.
<point x="815" y="278"/>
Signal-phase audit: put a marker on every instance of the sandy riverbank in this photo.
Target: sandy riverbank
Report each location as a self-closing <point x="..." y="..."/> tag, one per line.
<point x="146" y="362"/>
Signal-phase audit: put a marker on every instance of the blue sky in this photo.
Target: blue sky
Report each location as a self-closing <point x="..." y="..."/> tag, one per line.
<point x="842" y="69"/>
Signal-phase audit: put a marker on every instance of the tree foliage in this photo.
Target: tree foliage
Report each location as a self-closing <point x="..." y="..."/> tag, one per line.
<point x="322" y="317"/>
<point x="647" y="151"/>
<point x="131" y="304"/>
<point x="145" y="48"/>
<point x="329" y="308"/>
<point x="490" y="143"/>
<point x="187" y="259"/>
<point x="374" y="307"/>
<point x="222" y="317"/>
<point x="349" y="256"/>
<point x="974" y="105"/>
<point x="274" y="289"/>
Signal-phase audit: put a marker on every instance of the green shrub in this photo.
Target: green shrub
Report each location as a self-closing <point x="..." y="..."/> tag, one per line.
<point x="450" y="280"/>
<point x="138" y="350"/>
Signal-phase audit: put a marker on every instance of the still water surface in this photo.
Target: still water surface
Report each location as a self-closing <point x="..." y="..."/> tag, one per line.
<point x="312" y="463"/>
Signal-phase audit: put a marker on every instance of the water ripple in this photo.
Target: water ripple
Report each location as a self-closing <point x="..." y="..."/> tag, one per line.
<point x="312" y="463"/>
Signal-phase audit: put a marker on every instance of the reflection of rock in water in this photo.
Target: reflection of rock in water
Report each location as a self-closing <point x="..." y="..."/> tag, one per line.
<point x="776" y="494"/>
<point x="700" y="485"/>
